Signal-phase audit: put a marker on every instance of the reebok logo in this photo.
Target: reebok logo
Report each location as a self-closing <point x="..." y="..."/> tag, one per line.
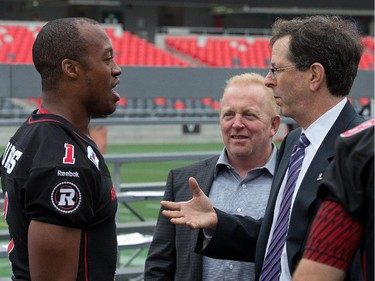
<point x="67" y="174"/>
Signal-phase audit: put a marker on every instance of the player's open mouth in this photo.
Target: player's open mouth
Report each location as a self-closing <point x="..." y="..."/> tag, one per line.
<point x="113" y="90"/>
<point x="239" y="137"/>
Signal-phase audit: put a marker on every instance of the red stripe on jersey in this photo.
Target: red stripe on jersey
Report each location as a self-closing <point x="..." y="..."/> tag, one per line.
<point x="10" y="246"/>
<point x="29" y="121"/>
<point x="42" y="110"/>
<point x="334" y="236"/>
<point x="364" y="266"/>
<point x="85" y="258"/>
<point x="5" y="205"/>
<point x="358" y="128"/>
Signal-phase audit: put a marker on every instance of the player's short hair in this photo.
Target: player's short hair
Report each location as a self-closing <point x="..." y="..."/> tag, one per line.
<point x="58" y="40"/>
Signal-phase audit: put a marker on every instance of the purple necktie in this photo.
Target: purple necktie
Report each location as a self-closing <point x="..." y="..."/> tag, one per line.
<point x="271" y="266"/>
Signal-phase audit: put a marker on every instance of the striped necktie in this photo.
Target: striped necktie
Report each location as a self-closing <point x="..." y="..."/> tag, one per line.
<point x="271" y="266"/>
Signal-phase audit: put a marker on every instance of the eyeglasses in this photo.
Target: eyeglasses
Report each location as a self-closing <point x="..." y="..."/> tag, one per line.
<point x="275" y="70"/>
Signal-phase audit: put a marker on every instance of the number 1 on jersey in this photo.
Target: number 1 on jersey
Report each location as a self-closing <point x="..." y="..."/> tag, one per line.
<point x="69" y="154"/>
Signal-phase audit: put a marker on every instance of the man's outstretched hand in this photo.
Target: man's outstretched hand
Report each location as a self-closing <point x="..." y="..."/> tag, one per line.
<point x="198" y="212"/>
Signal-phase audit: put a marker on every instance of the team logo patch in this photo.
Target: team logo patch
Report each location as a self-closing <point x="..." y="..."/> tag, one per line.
<point x="66" y="197"/>
<point x="92" y="156"/>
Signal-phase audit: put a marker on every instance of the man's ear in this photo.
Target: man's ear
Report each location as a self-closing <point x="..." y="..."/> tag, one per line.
<point x="70" y="68"/>
<point x="317" y="77"/>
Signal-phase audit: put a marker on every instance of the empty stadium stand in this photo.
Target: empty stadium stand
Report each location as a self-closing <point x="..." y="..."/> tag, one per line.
<point x="182" y="51"/>
<point x="16" y="42"/>
<point x="222" y="51"/>
<point x="240" y="52"/>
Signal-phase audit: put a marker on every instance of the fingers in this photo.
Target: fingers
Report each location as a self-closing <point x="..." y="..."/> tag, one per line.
<point x="191" y="225"/>
<point x="172" y="214"/>
<point x="183" y="221"/>
<point x="194" y="186"/>
<point x="179" y="220"/>
<point x="173" y="206"/>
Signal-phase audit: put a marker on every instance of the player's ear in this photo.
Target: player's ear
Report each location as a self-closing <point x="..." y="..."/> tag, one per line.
<point x="70" y="67"/>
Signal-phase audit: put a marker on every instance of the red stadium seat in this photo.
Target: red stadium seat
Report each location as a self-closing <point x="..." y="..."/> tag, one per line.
<point x="179" y="105"/>
<point x="160" y="102"/>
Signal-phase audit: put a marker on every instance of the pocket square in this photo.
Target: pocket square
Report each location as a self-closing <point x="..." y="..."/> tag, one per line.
<point x="320" y="177"/>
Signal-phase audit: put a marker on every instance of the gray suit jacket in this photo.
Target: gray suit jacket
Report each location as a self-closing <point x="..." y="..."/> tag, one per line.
<point x="240" y="238"/>
<point x="171" y="255"/>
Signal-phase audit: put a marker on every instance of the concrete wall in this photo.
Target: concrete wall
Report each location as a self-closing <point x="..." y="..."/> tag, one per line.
<point x="24" y="81"/>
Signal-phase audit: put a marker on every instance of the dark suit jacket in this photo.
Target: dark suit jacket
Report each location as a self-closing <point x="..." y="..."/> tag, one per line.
<point x="245" y="239"/>
<point x="171" y="255"/>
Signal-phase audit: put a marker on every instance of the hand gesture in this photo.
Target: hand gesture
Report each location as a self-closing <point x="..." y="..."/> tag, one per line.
<point x="198" y="212"/>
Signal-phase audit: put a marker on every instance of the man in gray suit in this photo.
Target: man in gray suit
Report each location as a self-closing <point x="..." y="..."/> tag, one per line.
<point x="237" y="181"/>
<point x="313" y="66"/>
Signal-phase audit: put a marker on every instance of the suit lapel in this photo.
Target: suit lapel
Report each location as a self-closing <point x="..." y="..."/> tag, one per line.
<point x="284" y="152"/>
<point x="205" y="177"/>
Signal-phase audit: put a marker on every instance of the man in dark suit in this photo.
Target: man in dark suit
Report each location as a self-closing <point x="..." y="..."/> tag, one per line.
<point x="237" y="181"/>
<point x="345" y="220"/>
<point x="313" y="66"/>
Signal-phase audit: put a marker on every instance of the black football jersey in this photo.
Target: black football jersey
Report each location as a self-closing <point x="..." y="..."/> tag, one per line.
<point x="350" y="182"/>
<point x="51" y="172"/>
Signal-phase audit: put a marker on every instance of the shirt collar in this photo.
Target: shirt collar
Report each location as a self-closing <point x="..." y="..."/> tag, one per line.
<point x="269" y="166"/>
<point x="318" y="130"/>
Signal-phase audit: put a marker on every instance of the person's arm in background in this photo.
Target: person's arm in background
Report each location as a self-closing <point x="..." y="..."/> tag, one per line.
<point x="53" y="252"/>
<point x="333" y="240"/>
<point x="316" y="271"/>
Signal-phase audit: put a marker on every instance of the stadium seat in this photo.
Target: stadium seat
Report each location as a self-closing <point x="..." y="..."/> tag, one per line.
<point x="179" y="105"/>
<point x="160" y="102"/>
